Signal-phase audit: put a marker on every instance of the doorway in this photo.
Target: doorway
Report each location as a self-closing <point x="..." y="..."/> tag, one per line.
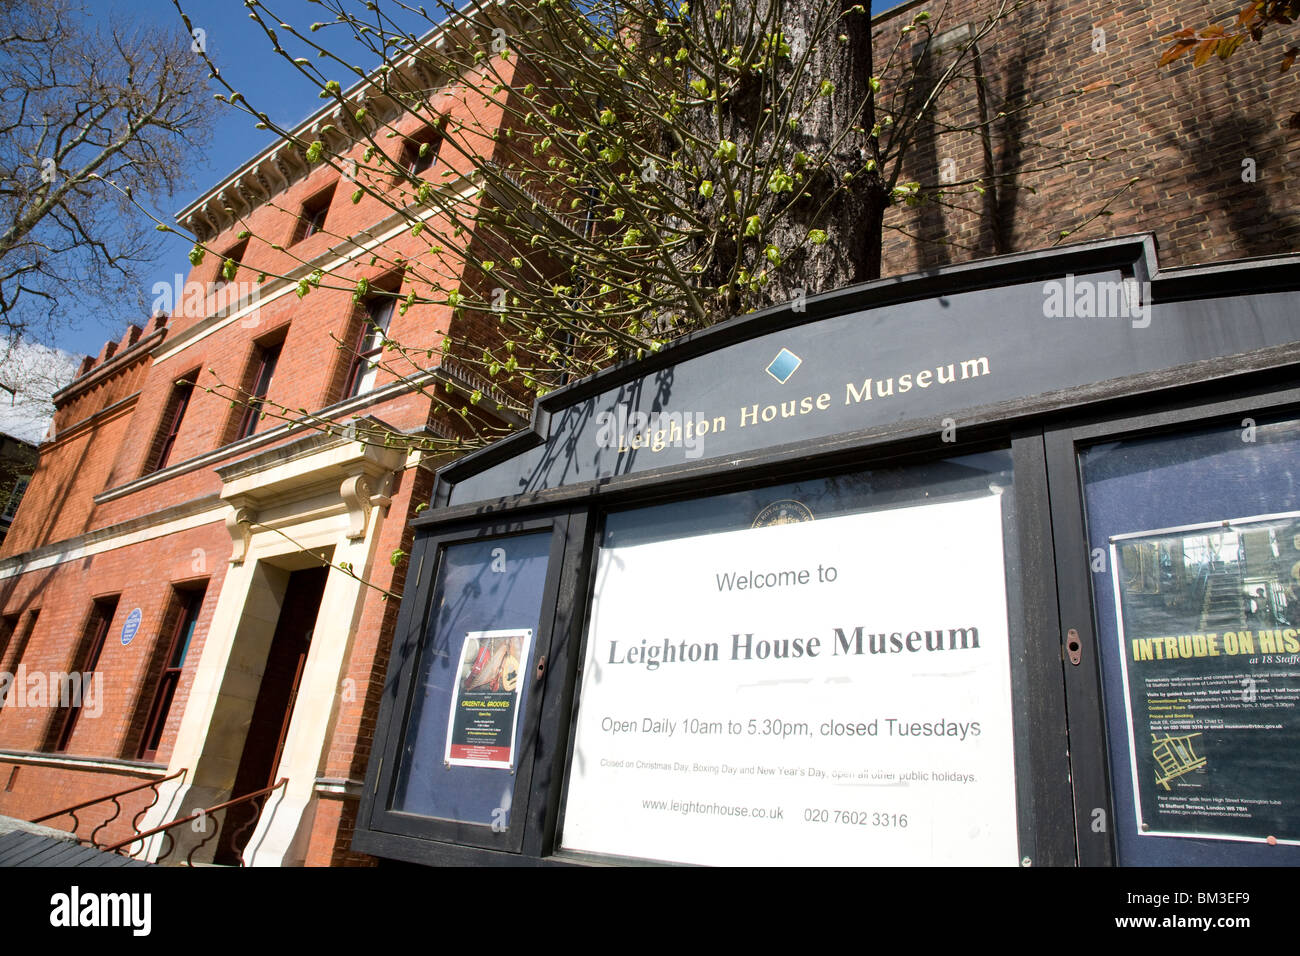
<point x="273" y="708"/>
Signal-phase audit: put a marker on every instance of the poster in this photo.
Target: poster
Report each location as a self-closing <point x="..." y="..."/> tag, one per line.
<point x="485" y="703"/>
<point x="826" y="691"/>
<point x="1208" y="626"/>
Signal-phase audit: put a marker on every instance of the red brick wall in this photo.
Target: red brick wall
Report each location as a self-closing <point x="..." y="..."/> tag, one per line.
<point x="1181" y="133"/>
<point x="331" y="837"/>
<point x="115" y="448"/>
<point x="141" y="575"/>
<point x="317" y="331"/>
<point x="40" y="790"/>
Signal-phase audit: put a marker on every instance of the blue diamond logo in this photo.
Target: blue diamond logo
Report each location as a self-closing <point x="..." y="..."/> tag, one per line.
<point x="783" y="365"/>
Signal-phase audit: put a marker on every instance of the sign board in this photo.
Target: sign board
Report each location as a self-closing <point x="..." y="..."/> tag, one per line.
<point x="1209" y="628"/>
<point x="833" y="691"/>
<point x="787" y="660"/>
<point x="904" y="350"/>
<point x="131" y="626"/>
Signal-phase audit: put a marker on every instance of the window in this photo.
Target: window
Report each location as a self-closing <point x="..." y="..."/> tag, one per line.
<point x="170" y="426"/>
<point x="265" y="359"/>
<point x="421" y="152"/>
<point x="76" y="686"/>
<point x="19" y="644"/>
<point x="182" y="621"/>
<point x="235" y="255"/>
<point x="8" y="628"/>
<point x="18" y="638"/>
<point x="16" y="497"/>
<point x="369" y="346"/>
<point x="312" y="218"/>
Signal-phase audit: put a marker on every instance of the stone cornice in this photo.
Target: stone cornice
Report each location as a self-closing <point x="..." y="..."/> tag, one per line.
<point x="121" y="405"/>
<point x="91" y="764"/>
<point x="281" y="164"/>
<point x="339" y="254"/>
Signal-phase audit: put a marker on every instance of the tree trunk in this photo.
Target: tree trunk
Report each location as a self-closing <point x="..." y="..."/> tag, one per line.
<point x="842" y="198"/>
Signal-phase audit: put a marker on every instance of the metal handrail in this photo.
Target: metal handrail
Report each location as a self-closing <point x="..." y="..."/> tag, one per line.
<point x="207" y="812"/>
<point x="76" y="821"/>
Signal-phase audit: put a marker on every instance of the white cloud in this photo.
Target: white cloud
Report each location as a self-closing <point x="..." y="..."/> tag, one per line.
<point x="30" y="373"/>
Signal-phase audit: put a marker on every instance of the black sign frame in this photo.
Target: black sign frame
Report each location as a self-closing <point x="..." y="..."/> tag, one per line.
<point x="385" y="831"/>
<point x="1093" y="773"/>
<point x="1231" y="342"/>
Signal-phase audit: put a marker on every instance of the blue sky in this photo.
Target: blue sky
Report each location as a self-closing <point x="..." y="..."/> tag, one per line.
<point x="244" y="56"/>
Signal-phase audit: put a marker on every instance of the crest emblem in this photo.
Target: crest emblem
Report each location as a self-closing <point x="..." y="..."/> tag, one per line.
<point x="785" y="511"/>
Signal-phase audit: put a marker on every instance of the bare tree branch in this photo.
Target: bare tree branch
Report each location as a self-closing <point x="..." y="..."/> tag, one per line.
<point x="85" y="113"/>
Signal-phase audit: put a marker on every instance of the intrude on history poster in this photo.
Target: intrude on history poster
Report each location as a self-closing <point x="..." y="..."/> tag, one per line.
<point x="485" y="702"/>
<point x="1209" y="620"/>
<point x="838" y="687"/>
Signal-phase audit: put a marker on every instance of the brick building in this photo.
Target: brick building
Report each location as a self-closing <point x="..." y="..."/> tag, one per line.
<point x="174" y="541"/>
<point x="246" y="663"/>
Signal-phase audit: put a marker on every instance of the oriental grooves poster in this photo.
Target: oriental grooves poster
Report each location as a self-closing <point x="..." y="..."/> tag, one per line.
<point x="485" y="699"/>
<point x="1209" y="625"/>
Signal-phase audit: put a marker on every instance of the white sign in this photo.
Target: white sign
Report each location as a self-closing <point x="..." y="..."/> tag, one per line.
<point x="834" y="691"/>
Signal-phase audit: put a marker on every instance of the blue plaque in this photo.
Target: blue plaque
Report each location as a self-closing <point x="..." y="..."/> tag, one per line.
<point x="131" y="626"/>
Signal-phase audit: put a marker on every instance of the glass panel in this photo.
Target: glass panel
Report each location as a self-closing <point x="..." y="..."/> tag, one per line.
<point x="370" y="351"/>
<point x="822" y="497"/>
<point x="1196" y="543"/>
<point x="187" y="630"/>
<point x="822" y="667"/>
<point x="470" y="681"/>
